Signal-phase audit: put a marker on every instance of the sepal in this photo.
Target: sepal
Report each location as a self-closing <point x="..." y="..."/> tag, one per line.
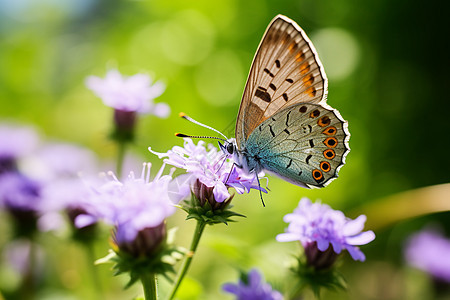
<point x="206" y="213"/>
<point x="161" y="262"/>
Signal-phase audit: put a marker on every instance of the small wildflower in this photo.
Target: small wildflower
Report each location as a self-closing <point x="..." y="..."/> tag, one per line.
<point x="128" y="96"/>
<point x="318" y="225"/>
<point x="137" y="208"/>
<point x="21" y="197"/>
<point x="210" y="168"/>
<point x="63" y="160"/>
<point x="210" y="176"/>
<point x="15" y="142"/>
<point x="428" y="250"/>
<point x="131" y="206"/>
<point x="132" y="94"/>
<point x="252" y="286"/>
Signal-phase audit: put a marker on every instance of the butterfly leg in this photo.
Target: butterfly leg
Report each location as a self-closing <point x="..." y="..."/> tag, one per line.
<point x="260" y="193"/>
<point x="231" y="170"/>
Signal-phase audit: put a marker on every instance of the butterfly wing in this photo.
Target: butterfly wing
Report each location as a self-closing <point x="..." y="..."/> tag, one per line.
<point x="305" y="144"/>
<point x="285" y="70"/>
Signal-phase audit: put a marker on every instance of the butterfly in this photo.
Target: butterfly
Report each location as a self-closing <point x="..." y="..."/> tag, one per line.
<point x="284" y="124"/>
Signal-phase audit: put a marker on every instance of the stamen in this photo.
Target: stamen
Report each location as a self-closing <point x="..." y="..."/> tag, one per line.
<point x="111" y="173"/>
<point x="143" y="170"/>
<point x="147" y="177"/>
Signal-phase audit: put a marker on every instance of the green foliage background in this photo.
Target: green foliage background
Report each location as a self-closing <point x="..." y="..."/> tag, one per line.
<point x="387" y="63"/>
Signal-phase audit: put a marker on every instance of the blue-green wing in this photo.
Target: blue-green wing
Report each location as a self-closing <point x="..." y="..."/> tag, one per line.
<point x="305" y="144"/>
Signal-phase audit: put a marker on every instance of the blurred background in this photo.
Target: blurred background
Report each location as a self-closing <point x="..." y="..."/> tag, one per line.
<point x="387" y="64"/>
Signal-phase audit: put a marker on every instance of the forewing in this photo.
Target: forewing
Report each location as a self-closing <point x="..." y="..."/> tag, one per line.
<point x="305" y="144"/>
<point x="285" y="70"/>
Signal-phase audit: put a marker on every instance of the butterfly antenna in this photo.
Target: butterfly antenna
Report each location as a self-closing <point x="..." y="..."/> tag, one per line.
<point x="182" y="135"/>
<point x="186" y="117"/>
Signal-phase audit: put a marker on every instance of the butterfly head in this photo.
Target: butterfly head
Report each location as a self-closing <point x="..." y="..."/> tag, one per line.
<point x="229" y="147"/>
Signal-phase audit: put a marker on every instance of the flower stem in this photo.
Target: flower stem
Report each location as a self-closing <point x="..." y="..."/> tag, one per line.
<point x="120" y="157"/>
<point x="149" y="284"/>
<point x="97" y="286"/>
<point x="188" y="259"/>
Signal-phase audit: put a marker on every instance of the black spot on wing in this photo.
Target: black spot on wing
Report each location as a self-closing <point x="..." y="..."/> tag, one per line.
<point x="273" y="87"/>
<point x="311" y="143"/>
<point x="262" y="94"/>
<point x="268" y="72"/>
<point x="285" y="97"/>
<point x="287" y="131"/>
<point x="277" y="63"/>
<point x="271" y="131"/>
<point x="308" y="158"/>
<point x="287" y="118"/>
<point x="289" y="80"/>
<point x="289" y="164"/>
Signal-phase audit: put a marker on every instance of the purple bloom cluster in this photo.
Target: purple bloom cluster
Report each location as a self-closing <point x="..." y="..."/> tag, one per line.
<point x="429" y="251"/>
<point x="253" y="289"/>
<point x="131" y="206"/>
<point x="20" y="193"/>
<point x="132" y="94"/>
<point x="15" y="142"/>
<point x="211" y="168"/>
<point x="318" y="223"/>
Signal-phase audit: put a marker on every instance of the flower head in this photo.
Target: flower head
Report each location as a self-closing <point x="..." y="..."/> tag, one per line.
<point x="131" y="94"/>
<point x="21" y="197"/>
<point x="316" y="223"/>
<point x="212" y="172"/>
<point x="252" y="287"/>
<point x="429" y="250"/>
<point x="133" y="207"/>
<point x="63" y="160"/>
<point x="19" y="193"/>
<point x="15" y="142"/>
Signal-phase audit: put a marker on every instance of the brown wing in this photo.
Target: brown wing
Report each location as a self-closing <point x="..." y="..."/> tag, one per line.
<point x="285" y="70"/>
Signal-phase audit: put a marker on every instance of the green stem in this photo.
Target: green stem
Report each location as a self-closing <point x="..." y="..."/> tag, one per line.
<point x="93" y="270"/>
<point x="120" y="157"/>
<point x="188" y="259"/>
<point x="27" y="289"/>
<point x="149" y="285"/>
<point x="296" y="292"/>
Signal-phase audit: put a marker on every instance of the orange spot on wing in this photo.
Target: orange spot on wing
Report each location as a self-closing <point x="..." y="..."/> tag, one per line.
<point x="330" y="130"/>
<point x="314" y="114"/>
<point x="292" y="47"/>
<point x="311" y="91"/>
<point x="324" y="121"/>
<point x="325" y="166"/>
<point x="331" y="142"/>
<point x="317" y="174"/>
<point x="300" y="56"/>
<point x="329" y="153"/>
<point x="308" y="80"/>
<point x="304" y="68"/>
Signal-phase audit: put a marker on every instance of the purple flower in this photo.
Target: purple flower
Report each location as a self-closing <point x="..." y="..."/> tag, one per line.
<point x="429" y="251"/>
<point x="21" y="198"/>
<point x="132" y="206"/>
<point x="131" y="94"/>
<point x="253" y="288"/>
<point x="15" y="142"/>
<point x="20" y="193"/>
<point x="67" y="160"/>
<point x="318" y="223"/>
<point x="211" y="168"/>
